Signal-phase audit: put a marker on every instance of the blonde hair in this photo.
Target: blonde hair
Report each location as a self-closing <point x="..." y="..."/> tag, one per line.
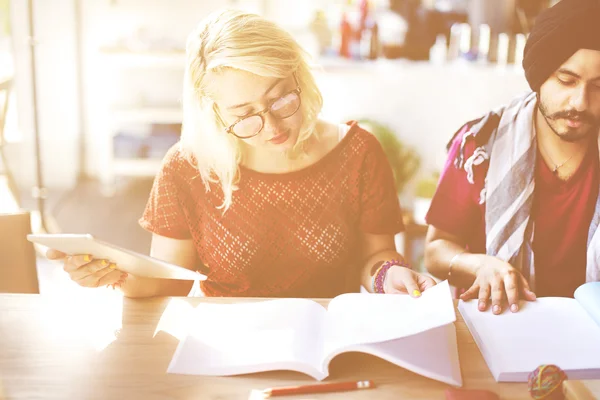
<point x="248" y="42"/>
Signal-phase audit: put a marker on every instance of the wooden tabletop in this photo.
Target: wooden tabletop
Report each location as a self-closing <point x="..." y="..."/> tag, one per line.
<point x="105" y="347"/>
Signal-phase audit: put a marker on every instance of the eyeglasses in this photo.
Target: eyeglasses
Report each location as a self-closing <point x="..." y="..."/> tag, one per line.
<point x="280" y="108"/>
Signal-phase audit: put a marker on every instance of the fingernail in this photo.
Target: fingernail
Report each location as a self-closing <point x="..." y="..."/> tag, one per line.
<point x="496" y="309"/>
<point x="482" y="305"/>
<point x="416" y="293"/>
<point x="87" y="258"/>
<point x="514" y="308"/>
<point x="112" y="266"/>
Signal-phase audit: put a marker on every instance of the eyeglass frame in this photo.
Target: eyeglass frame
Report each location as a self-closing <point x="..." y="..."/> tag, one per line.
<point x="262" y="113"/>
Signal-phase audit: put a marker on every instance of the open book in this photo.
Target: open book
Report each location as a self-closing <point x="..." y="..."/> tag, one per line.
<point x="301" y="335"/>
<point x="550" y="330"/>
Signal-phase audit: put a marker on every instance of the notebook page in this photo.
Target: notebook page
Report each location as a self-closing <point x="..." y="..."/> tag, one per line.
<point x="240" y="338"/>
<point x="357" y="318"/>
<point x="549" y="330"/>
<point x="588" y="295"/>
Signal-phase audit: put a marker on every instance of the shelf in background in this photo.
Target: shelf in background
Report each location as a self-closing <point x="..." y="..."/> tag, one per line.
<point x="147" y="115"/>
<point x="136" y="167"/>
<point x="133" y="59"/>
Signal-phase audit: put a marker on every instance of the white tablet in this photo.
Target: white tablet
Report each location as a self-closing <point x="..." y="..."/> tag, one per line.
<point x="127" y="261"/>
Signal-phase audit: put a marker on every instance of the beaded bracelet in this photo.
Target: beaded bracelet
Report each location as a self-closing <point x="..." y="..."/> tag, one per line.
<point x="375" y="276"/>
<point x="379" y="277"/>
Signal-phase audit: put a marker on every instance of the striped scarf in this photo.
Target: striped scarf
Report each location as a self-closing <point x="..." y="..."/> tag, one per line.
<point x="508" y="133"/>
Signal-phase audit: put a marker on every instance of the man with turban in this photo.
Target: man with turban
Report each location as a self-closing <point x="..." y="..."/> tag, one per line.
<point x="516" y="210"/>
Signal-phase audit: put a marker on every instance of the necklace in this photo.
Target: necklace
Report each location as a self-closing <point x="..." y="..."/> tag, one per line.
<point x="557" y="166"/>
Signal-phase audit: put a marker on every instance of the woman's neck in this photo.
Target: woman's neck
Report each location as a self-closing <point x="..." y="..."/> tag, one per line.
<point x="272" y="161"/>
<point x="302" y="156"/>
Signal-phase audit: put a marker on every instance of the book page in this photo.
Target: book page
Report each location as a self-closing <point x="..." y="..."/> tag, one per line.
<point x="359" y="318"/>
<point x="433" y="354"/>
<point x="588" y="295"/>
<point x="228" y="339"/>
<point x="550" y="330"/>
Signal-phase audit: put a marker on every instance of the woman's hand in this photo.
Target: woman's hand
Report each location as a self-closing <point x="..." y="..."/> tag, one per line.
<point x="500" y="281"/>
<point x="405" y="280"/>
<point x="89" y="272"/>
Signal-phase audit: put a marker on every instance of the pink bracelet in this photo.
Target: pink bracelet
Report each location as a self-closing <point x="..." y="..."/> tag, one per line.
<point x="379" y="278"/>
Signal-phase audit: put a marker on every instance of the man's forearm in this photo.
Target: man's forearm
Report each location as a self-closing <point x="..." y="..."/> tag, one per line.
<point x="439" y="253"/>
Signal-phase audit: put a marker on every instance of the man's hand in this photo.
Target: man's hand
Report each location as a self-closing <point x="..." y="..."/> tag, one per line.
<point x="500" y="281"/>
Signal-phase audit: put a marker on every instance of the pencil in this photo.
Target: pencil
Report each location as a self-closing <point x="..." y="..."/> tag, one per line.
<point x="319" y="388"/>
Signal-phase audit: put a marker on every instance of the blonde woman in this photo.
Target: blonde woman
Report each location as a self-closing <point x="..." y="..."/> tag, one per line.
<point x="262" y="195"/>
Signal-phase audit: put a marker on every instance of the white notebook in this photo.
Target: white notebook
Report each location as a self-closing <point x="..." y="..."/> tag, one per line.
<point x="550" y="330"/>
<point x="301" y="335"/>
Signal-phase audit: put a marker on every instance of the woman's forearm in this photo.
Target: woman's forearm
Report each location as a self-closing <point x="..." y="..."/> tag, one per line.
<point x="138" y="287"/>
<point x="373" y="262"/>
<point x="174" y="251"/>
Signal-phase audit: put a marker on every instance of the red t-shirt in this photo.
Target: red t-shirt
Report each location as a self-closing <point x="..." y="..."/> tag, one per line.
<point x="295" y="234"/>
<point x="561" y="210"/>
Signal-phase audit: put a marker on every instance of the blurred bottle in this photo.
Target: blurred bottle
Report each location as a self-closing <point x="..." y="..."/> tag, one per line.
<point x="320" y="28"/>
<point x="502" y="51"/>
<point x="375" y="46"/>
<point x="364" y="16"/>
<point x="369" y="39"/>
<point x="369" y="43"/>
<point x="521" y="40"/>
<point x="483" y="48"/>
<point x="365" y="43"/>
<point x="454" y="43"/>
<point x="439" y="51"/>
<point x="346" y="34"/>
<point x="355" y="43"/>
<point x="464" y="44"/>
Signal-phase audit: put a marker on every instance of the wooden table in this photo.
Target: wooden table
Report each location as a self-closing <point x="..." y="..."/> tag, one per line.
<point x="46" y="353"/>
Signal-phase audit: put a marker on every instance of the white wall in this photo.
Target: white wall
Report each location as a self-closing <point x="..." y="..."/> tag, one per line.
<point x="424" y="103"/>
<point x="56" y="91"/>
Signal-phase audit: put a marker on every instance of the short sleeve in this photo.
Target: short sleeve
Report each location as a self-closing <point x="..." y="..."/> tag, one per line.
<point x="380" y="206"/>
<point x="164" y="214"/>
<point x="454" y="208"/>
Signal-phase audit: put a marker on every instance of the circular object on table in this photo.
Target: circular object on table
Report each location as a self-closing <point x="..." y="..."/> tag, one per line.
<point x="545" y="382"/>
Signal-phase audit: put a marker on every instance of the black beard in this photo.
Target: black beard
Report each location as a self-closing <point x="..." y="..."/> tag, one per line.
<point x="584" y="117"/>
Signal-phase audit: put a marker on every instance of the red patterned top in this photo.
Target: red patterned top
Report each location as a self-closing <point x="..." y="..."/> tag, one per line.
<point x="295" y="234"/>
